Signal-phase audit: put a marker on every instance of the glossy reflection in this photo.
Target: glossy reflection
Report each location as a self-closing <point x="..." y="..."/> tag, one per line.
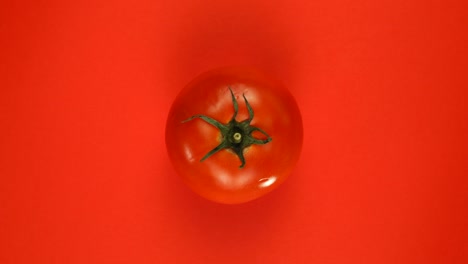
<point x="266" y="182"/>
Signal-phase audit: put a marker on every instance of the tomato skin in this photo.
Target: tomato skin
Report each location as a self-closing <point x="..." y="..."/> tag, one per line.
<point x="219" y="178"/>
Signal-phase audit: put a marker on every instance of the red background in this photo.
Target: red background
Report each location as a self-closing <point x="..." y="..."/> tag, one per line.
<point x="84" y="93"/>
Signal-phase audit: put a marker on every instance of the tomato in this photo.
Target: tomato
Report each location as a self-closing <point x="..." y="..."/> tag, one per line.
<point x="234" y="134"/>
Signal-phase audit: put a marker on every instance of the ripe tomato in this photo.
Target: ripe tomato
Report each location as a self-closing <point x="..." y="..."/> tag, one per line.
<point x="234" y="134"/>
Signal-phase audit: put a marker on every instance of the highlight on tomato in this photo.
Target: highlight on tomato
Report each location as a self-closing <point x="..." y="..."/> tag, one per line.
<point x="234" y="134"/>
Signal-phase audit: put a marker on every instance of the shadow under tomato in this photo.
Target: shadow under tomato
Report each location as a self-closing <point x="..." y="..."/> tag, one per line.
<point x="221" y="34"/>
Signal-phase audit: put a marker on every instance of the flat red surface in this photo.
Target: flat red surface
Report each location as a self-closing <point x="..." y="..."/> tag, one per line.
<point x="85" y="90"/>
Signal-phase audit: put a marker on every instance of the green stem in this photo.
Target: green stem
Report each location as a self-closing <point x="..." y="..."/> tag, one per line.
<point x="236" y="136"/>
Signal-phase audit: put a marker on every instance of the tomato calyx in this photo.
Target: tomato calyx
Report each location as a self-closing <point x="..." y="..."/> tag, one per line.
<point x="236" y="135"/>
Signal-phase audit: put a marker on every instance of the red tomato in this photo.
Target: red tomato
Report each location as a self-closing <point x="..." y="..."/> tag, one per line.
<point x="234" y="134"/>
